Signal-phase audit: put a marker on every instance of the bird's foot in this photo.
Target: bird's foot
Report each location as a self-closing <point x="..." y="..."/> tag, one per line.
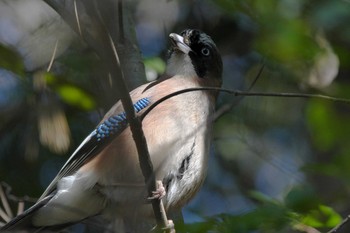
<point x="159" y="193"/>
<point x="169" y="228"/>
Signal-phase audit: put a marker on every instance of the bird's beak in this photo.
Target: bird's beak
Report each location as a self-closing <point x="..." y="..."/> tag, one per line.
<point x="179" y="43"/>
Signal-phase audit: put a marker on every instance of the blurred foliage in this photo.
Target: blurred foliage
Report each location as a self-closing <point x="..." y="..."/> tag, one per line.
<point x="10" y="60"/>
<point x="74" y="96"/>
<point x="272" y="216"/>
<point x="280" y="165"/>
<point x="154" y="66"/>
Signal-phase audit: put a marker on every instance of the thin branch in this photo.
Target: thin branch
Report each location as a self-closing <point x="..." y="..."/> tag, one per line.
<point x="245" y="93"/>
<point x="141" y="145"/>
<point x="77" y="17"/>
<point x="305" y="228"/>
<point x="4" y="216"/>
<point x="293" y="95"/>
<point x="105" y="47"/>
<point x="257" y="77"/>
<point x="69" y="16"/>
<point x="5" y="195"/>
<point x="20" y="207"/>
<point x="140" y="142"/>
<point x="52" y="57"/>
<point x="5" y="203"/>
<point x="228" y="107"/>
<point x="8" y="191"/>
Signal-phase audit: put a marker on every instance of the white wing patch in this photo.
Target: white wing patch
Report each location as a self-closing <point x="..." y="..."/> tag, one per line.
<point x="76" y="199"/>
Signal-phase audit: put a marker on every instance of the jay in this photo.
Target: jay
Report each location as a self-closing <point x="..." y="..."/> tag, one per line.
<point x="103" y="175"/>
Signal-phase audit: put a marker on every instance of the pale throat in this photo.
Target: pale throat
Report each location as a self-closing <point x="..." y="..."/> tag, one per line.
<point x="180" y="64"/>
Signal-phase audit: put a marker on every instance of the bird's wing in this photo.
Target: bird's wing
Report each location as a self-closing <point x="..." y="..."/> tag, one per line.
<point x="105" y="132"/>
<point x="23" y="221"/>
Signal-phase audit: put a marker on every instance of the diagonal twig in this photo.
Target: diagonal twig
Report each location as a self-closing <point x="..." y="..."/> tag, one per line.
<point x="77" y="17"/>
<point x="52" y="57"/>
<point x="228" y="107"/>
<point x="5" y="204"/>
<point x="105" y="47"/>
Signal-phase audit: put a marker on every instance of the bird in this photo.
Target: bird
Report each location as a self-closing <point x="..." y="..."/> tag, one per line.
<point x="103" y="176"/>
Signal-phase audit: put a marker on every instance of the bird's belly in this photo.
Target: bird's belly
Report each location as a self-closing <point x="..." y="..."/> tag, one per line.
<point x="178" y="145"/>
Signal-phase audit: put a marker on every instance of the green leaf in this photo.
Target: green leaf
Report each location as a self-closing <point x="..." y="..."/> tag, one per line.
<point x="324" y="216"/>
<point x="263" y="198"/>
<point x="267" y="217"/>
<point x="10" y="60"/>
<point x="328" y="128"/>
<point x="333" y="217"/>
<point x="156" y="64"/>
<point x="50" y="78"/>
<point x="76" y="96"/>
<point x="290" y="39"/>
<point x="301" y="199"/>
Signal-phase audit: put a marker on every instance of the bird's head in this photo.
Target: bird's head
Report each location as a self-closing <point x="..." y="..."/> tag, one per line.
<point x="194" y="53"/>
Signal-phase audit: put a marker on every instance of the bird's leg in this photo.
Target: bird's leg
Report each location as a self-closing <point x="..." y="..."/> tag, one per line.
<point x="159" y="193"/>
<point x="170" y="228"/>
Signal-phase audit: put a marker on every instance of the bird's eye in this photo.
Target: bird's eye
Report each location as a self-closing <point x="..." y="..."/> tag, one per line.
<point x="205" y="51"/>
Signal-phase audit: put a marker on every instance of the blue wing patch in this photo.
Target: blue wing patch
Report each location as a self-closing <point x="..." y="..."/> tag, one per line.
<point x="118" y="122"/>
<point x="141" y="104"/>
<point x="94" y="143"/>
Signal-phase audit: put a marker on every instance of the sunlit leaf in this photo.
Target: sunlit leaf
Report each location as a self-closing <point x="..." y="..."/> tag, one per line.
<point x="76" y="96"/>
<point x="324" y="216"/>
<point x="333" y="217"/>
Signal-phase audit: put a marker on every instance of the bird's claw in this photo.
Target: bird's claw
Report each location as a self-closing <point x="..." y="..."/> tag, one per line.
<point x="159" y="193"/>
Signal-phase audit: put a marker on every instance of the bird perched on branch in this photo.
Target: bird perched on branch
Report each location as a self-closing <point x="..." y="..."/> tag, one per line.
<point x="103" y="175"/>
